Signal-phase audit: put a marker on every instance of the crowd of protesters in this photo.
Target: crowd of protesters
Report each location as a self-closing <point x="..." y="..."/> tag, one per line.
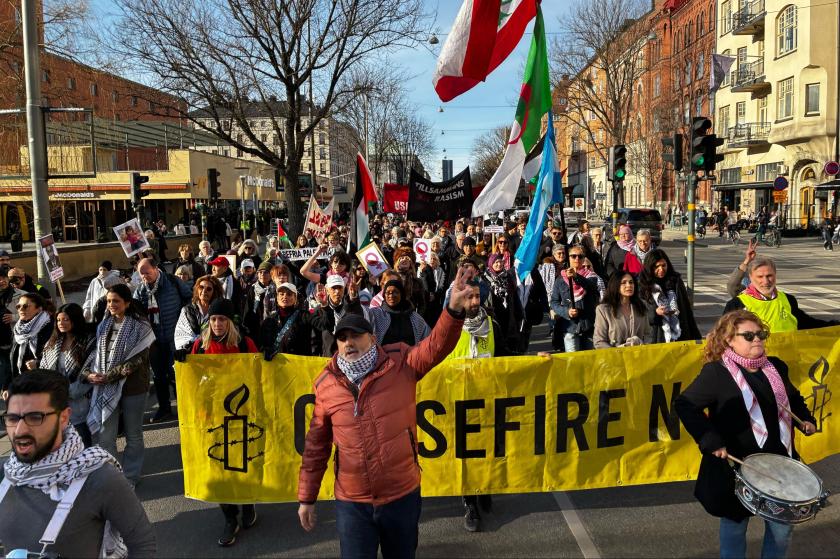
<point x="463" y="299"/>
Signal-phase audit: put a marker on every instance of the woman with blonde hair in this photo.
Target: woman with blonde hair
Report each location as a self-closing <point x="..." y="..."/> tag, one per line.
<point x="222" y="337"/>
<point x="740" y="404"/>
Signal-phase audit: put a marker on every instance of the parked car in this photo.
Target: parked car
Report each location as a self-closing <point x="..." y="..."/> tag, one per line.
<point x="640" y="218"/>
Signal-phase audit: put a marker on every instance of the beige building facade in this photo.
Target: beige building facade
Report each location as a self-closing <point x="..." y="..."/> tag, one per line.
<point x="777" y="108"/>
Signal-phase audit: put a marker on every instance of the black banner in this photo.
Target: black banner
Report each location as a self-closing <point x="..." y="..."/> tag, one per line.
<point x="439" y="201"/>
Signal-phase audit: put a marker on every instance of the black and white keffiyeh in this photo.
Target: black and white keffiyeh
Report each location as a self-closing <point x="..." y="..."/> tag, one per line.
<point x="478" y="328"/>
<point x="357" y="370"/>
<point x="152" y="304"/>
<point x="53" y="473"/>
<point x="670" y="322"/>
<point x="26" y="334"/>
<point x="134" y="336"/>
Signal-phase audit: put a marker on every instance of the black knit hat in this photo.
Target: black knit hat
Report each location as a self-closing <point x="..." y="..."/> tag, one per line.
<point x="107" y="265"/>
<point x="223" y="307"/>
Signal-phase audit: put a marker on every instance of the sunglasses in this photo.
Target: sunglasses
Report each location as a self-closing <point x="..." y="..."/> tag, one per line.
<point x="576" y="256"/>
<point x="23" y="306"/>
<point x="750" y="336"/>
<point x="501" y="242"/>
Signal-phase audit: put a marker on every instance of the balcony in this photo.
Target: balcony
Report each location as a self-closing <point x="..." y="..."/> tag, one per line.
<point x="748" y="135"/>
<point x="749" y="20"/>
<point x="749" y="78"/>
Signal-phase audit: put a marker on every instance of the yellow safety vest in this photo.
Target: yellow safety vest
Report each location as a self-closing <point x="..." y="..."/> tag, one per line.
<point x="775" y="313"/>
<point x="486" y="347"/>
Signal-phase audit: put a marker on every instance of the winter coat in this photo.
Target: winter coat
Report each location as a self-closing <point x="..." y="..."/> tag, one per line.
<point x="95" y="290"/>
<point x="728" y="425"/>
<point x="324" y="321"/>
<point x="374" y="426"/>
<point x="298" y="339"/>
<point x="688" y="325"/>
<point x="614" y="331"/>
<point x="172" y="295"/>
<point x="614" y="260"/>
<point x="402" y="324"/>
<point x="562" y="301"/>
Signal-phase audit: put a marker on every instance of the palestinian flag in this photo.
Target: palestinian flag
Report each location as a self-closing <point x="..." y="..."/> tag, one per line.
<point x="485" y="32"/>
<point x="365" y="196"/>
<point x="534" y="102"/>
<point x="281" y="233"/>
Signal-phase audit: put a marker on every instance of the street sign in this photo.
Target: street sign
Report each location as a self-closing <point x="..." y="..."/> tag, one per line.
<point x="780" y="196"/>
<point x="780" y="183"/>
<point x="832" y="168"/>
<point x="600" y="195"/>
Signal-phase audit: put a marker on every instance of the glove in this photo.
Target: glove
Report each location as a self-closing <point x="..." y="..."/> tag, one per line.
<point x="267" y="356"/>
<point x="181" y="355"/>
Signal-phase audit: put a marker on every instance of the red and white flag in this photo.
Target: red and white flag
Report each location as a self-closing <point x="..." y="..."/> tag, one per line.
<point x="483" y="35"/>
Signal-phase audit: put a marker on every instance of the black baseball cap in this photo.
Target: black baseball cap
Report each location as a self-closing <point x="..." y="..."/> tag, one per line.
<point x="355" y="323"/>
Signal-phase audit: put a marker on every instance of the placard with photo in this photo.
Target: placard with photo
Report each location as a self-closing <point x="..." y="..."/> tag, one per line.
<point x="131" y="237"/>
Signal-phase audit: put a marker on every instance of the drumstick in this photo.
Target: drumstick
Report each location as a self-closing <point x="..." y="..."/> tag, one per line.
<point x="793" y="415"/>
<point x="753" y="468"/>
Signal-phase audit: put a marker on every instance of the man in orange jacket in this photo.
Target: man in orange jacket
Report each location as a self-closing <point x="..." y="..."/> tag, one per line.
<point x="365" y="406"/>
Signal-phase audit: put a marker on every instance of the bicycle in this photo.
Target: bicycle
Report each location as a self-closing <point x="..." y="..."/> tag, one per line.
<point x="734" y="235"/>
<point x="772" y="238"/>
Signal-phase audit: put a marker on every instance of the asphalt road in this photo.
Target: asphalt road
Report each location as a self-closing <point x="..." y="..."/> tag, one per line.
<point x="660" y="520"/>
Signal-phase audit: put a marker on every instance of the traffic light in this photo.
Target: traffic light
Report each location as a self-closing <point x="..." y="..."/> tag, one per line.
<point x="137" y="192"/>
<point x="617" y="163"/>
<point x="704" y="156"/>
<point x="675" y="155"/>
<point x="213" y="184"/>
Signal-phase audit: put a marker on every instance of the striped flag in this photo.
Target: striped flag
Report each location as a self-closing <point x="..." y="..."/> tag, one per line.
<point x="364" y="196"/>
<point x="549" y="191"/>
<point x="534" y="102"/>
<point x="485" y="32"/>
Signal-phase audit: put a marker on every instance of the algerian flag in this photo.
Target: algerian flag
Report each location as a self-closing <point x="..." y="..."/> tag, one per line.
<point x="534" y="102"/>
<point x="549" y="191"/>
<point x="365" y="196"/>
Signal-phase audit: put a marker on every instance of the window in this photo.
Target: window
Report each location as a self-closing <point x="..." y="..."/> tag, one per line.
<point x="786" y="35"/>
<point x="322" y="153"/>
<point x="727" y="75"/>
<point x="711" y="17"/>
<point x="698" y="106"/>
<point x="322" y="139"/>
<point x="686" y="113"/>
<point x="761" y="110"/>
<point x="767" y="171"/>
<point x="71" y="83"/>
<point x="701" y="66"/>
<point x="785" y="92"/>
<point x="133" y="100"/>
<point x="741" y="112"/>
<point x="115" y="96"/>
<point x="723" y="121"/>
<point x="725" y="17"/>
<point x="689" y="76"/>
<point x="701" y="23"/>
<point x="657" y="84"/>
<point x="730" y="176"/>
<point x="323" y="168"/>
<point x="275" y="140"/>
<point x="94" y="90"/>
<point x="263" y="138"/>
<point x="812" y="99"/>
<point x="45" y="76"/>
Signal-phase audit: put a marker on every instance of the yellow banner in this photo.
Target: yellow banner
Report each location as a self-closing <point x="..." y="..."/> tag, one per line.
<point x="506" y="425"/>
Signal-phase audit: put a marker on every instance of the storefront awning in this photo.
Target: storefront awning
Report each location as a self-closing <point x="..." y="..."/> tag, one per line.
<point x="744" y="186"/>
<point x="833" y="184"/>
<point x="578" y="191"/>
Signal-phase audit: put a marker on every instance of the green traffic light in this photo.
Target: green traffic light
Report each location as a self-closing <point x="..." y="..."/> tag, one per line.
<point x="619" y="173"/>
<point x="699" y="160"/>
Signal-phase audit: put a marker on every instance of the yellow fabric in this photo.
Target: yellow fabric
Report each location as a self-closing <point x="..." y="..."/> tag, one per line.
<point x="485" y="347"/>
<point x="775" y="312"/>
<point x="477" y="431"/>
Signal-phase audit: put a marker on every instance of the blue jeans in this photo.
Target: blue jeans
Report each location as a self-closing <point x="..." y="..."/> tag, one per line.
<point x="132" y="408"/>
<point x="733" y="539"/>
<point x="577" y="342"/>
<point x="162" y="358"/>
<point x="363" y="528"/>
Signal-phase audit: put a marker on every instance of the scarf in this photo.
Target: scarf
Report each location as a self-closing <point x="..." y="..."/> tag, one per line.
<point x="283" y="333"/>
<point x="478" y="327"/>
<point x="753" y="292"/>
<point x="152" y="304"/>
<point x="259" y="289"/>
<point x="627" y="245"/>
<point x="134" y="337"/>
<point x="578" y="290"/>
<point x="26" y="334"/>
<point x="498" y="285"/>
<point x="227" y="285"/>
<point x="731" y="361"/>
<point x="670" y="322"/>
<point x="53" y="473"/>
<point x="357" y="370"/>
<point x="74" y="358"/>
<point x="641" y="254"/>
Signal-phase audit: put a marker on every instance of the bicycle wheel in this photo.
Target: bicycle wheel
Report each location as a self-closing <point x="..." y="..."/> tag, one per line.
<point x="777" y="239"/>
<point x="736" y="237"/>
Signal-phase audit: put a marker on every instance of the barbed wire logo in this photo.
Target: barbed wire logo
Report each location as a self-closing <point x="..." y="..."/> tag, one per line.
<point x="237" y="434"/>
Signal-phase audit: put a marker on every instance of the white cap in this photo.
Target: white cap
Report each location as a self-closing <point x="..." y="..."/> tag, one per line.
<point x="335" y="280"/>
<point x="247" y="263"/>
<point x="290" y="286"/>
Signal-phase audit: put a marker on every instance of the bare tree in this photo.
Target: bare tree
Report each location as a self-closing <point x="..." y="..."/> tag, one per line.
<point x="487" y="153"/>
<point x="220" y="57"/>
<point x="602" y="48"/>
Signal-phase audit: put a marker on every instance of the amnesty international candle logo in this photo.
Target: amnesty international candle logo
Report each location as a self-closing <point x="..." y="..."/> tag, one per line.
<point x="820" y="393"/>
<point x="237" y="434"/>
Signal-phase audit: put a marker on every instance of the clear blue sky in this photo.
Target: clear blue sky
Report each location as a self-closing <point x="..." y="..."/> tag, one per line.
<point x="486" y="106"/>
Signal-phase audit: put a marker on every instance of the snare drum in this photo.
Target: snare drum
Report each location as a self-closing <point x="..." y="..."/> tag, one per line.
<point x="779" y="488"/>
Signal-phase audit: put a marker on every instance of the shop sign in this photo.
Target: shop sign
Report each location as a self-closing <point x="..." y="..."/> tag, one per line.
<point x="259" y="182"/>
<point x="72" y="195"/>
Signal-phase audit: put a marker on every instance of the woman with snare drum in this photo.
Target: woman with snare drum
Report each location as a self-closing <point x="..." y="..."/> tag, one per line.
<point x="749" y="399"/>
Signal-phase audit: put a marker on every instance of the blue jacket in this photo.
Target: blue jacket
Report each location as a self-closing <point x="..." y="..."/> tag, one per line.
<point x="172" y="295"/>
<point x="562" y="301"/>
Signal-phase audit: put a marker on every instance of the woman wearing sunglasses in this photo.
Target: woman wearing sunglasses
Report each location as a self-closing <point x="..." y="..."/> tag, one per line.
<point x="740" y="404"/>
<point x="30" y="334"/>
<point x="503" y="248"/>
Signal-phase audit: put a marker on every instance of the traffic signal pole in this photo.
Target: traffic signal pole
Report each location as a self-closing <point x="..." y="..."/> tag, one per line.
<point x="616" y="188"/>
<point x="691" y="197"/>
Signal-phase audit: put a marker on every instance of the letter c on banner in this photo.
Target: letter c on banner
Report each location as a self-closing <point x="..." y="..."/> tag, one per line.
<point x="300" y="420"/>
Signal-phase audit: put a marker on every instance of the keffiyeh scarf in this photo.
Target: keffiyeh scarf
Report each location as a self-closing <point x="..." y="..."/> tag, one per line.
<point x="477" y="328"/>
<point x="578" y="290"/>
<point x="670" y="322"/>
<point x="134" y="336"/>
<point x="259" y="289"/>
<point x="152" y="304"/>
<point x="498" y="285"/>
<point x="731" y="361"/>
<point x="26" y="334"/>
<point x="753" y="292"/>
<point x="53" y="473"/>
<point x="357" y="370"/>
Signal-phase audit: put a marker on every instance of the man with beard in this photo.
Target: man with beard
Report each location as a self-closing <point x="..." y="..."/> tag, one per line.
<point x="50" y="466"/>
<point x="365" y="405"/>
<point x="479" y="336"/>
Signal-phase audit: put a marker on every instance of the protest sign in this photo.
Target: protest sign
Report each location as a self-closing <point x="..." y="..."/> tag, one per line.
<point x="49" y="253"/>
<point x="318" y="221"/>
<point x="131" y="237"/>
<point x="372" y="259"/>
<point x="395" y="198"/>
<point x="439" y="201"/>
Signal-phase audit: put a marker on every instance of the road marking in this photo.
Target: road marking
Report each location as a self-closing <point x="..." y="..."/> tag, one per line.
<point x="585" y="543"/>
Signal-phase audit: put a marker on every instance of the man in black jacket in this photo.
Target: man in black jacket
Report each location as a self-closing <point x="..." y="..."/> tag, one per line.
<point x="339" y="302"/>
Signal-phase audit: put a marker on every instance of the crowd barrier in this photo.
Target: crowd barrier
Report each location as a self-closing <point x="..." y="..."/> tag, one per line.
<point x="592" y="419"/>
